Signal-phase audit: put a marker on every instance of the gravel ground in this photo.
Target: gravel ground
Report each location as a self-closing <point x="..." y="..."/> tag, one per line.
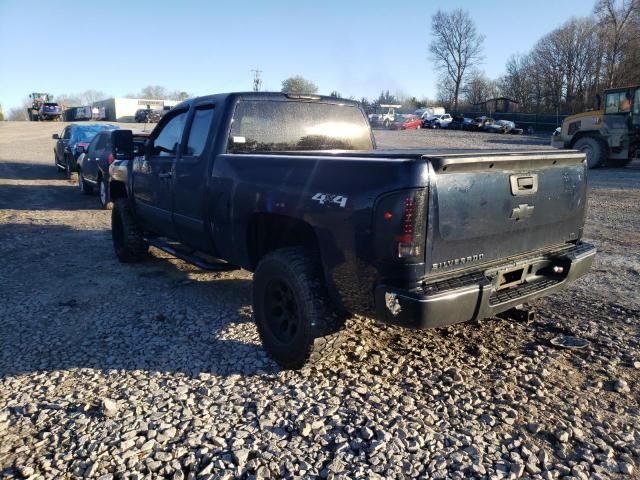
<point x="155" y="370"/>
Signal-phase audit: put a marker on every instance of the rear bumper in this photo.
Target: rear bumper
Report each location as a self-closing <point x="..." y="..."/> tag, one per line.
<point x="474" y="295"/>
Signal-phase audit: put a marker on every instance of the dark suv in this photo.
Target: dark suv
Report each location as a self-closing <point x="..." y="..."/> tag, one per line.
<point x="146" y="115"/>
<point x="50" y="111"/>
<point x="71" y="144"/>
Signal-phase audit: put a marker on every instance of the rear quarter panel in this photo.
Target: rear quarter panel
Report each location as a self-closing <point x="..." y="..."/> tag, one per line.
<point x="294" y="186"/>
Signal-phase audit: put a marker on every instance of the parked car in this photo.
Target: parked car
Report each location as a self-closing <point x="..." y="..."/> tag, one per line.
<point x="147" y="115"/>
<point x="460" y="123"/>
<point x="363" y="231"/>
<point x="94" y="162"/>
<point x="71" y="143"/>
<point x="406" y="122"/>
<point x="429" y="113"/>
<point x="438" y="121"/>
<point x="50" y="111"/>
<point x="480" y="123"/>
<point x="503" y="126"/>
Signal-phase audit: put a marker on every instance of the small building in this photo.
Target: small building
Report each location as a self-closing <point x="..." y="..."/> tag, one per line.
<point x="498" y="105"/>
<point x="123" y="109"/>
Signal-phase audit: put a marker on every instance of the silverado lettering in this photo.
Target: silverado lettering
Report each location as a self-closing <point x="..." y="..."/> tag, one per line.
<point x="458" y="261"/>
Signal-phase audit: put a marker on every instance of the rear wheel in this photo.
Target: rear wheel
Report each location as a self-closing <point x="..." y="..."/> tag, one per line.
<point x="103" y="192"/>
<point x="295" y="319"/>
<point x="83" y="186"/>
<point x="128" y="242"/>
<point x="593" y="149"/>
<point x="71" y="175"/>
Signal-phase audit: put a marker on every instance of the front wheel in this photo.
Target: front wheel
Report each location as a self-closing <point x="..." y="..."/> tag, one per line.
<point x="292" y="310"/>
<point x="71" y="175"/>
<point x="128" y="241"/>
<point x="593" y="149"/>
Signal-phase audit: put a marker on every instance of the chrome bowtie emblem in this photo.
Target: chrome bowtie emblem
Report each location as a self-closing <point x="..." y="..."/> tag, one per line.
<point x="522" y="211"/>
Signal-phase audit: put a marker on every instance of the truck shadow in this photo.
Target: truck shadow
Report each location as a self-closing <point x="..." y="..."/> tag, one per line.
<point x="89" y="311"/>
<point x="29" y="196"/>
<point x="29" y="171"/>
<point x="519" y="140"/>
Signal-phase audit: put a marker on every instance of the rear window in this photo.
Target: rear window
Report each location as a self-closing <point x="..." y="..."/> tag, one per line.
<point x="271" y="126"/>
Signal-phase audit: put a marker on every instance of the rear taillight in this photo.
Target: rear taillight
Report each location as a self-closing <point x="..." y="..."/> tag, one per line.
<point x="407" y="247"/>
<point x="400" y="225"/>
<point x="110" y="158"/>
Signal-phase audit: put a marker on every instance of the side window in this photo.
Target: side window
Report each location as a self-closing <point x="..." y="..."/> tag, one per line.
<point x="636" y="103"/>
<point x="165" y="143"/>
<point x="618" y="102"/>
<point x="199" y="131"/>
<point x="67" y="133"/>
<point x="92" y="145"/>
<point x="101" y="142"/>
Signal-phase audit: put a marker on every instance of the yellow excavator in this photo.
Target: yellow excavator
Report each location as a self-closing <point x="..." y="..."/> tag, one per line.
<point x="608" y="136"/>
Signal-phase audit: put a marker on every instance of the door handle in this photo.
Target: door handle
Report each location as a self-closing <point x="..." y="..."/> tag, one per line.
<point x="165" y="175"/>
<point x="524" y="184"/>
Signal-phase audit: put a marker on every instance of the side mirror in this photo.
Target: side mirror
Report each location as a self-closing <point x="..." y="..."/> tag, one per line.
<point x="81" y="149"/>
<point x="55" y="136"/>
<point x="123" y="144"/>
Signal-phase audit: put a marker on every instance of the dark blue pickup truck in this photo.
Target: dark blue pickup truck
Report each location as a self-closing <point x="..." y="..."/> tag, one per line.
<point x="292" y="188"/>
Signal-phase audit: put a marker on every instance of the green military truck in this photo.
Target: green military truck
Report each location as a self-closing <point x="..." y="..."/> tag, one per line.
<point x="608" y="136"/>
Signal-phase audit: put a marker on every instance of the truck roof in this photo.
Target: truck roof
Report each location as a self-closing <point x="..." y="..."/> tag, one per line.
<point x="221" y="97"/>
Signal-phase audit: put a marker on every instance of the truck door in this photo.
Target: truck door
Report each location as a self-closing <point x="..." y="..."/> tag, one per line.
<point x="153" y="175"/>
<point x="92" y="157"/>
<point x="61" y="145"/>
<point x="191" y="180"/>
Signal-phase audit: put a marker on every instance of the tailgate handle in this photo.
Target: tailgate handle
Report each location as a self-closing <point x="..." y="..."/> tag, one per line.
<point x="524" y="184"/>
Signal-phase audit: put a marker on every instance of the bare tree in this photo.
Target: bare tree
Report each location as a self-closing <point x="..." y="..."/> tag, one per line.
<point x="478" y="88"/>
<point x="456" y="46"/>
<point x="298" y="84"/>
<point x="153" y="92"/>
<point x="179" y="95"/>
<point x="17" y="115"/>
<point x="518" y="82"/>
<point x="446" y="92"/>
<point x="617" y="18"/>
<point x="88" y="97"/>
<point x="69" y="100"/>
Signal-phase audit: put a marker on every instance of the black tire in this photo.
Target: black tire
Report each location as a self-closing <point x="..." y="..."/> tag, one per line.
<point x="618" y="162"/>
<point x="295" y="319"/>
<point x="71" y="175"/>
<point x="84" y="187"/>
<point x="128" y="242"/>
<point x="103" y="194"/>
<point x="593" y="149"/>
<point x="55" y="164"/>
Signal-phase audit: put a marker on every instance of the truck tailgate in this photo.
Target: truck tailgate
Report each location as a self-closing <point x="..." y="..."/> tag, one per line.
<point x="486" y="207"/>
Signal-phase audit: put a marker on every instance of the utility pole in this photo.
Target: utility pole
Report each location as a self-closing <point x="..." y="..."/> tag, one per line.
<point x="257" y="81"/>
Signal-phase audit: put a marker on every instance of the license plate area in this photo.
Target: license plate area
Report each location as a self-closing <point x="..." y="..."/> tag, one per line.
<point x="511" y="277"/>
